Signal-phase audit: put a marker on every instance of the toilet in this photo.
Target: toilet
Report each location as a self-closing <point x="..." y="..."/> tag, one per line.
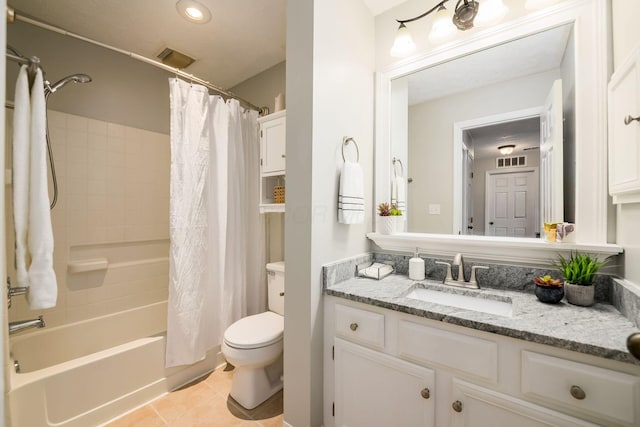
<point x="254" y="346"/>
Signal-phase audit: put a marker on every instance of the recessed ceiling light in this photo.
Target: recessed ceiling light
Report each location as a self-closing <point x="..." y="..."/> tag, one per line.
<point x="193" y="11"/>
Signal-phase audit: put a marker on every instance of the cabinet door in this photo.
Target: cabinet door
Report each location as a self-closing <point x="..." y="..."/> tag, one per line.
<point x="624" y="135"/>
<point x="475" y="406"/>
<point x="373" y="389"/>
<point x="273" y="144"/>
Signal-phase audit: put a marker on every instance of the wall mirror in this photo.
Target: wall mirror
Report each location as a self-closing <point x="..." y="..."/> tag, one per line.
<point x="441" y="117"/>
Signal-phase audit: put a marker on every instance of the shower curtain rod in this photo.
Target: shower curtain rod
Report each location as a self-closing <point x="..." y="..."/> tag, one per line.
<point x="17" y="16"/>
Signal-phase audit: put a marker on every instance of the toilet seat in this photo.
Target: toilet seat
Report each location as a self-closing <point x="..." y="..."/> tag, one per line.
<point x="259" y="330"/>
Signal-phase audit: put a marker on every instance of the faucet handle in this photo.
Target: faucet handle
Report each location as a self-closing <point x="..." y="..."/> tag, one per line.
<point x="448" y="277"/>
<point x="472" y="279"/>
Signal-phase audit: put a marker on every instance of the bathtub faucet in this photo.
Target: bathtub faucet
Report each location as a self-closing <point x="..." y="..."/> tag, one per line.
<point x="26" y="324"/>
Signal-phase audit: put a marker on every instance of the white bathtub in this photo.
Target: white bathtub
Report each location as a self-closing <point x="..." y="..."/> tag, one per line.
<point x="86" y="373"/>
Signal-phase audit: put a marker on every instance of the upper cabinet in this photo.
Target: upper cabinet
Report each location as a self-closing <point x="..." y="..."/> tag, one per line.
<point x="273" y="143"/>
<point x="624" y="131"/>
<point x="273" y="131"/>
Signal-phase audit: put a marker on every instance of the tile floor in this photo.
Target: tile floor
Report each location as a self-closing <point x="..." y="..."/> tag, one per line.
<point x="204" y="403"/>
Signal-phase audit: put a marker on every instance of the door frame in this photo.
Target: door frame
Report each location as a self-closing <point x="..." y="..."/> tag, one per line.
<point x="458" y="130"/>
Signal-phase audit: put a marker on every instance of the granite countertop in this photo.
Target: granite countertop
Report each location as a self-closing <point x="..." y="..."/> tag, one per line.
<point x="600" y="330"/>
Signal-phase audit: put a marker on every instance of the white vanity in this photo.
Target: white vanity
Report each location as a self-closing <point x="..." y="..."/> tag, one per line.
<point x="390" y="360"/>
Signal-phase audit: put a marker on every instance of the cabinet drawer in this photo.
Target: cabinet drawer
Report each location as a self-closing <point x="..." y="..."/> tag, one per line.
<point x="467" y="354"/>
<point x="600" y="392"/>
<point x="360" y="325"/>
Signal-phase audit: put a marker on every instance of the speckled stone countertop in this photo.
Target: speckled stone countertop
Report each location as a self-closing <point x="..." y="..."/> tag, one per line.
<point x="600" y="330"/>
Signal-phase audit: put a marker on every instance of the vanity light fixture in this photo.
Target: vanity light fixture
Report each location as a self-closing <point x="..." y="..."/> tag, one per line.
<point x="505" y="150"/>
<point x="445" y="25"/>
<point x="193" y="11"/>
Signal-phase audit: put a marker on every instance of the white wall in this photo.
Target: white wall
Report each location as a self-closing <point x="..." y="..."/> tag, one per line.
<point x="329" y="95"/>
<point x="431" y="141"/>
<point x="625" y="38"/>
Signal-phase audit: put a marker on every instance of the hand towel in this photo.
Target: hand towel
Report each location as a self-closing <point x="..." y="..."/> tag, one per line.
<point x="21" y="150"/>
<point x="351" y="194"/>
<point x="43" y="289"/>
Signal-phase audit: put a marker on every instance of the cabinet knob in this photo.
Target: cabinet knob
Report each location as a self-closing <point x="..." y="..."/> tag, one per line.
<point x="633" y="344"/>
<point x="353" y="326"/>
<point x="281" y="294"/>
<point x="629" y="119"/>
<point x="577" y="392"/>
<point x="425" y="393"/>
<point x="284" y="156"/>
<point x="457" y="406"/>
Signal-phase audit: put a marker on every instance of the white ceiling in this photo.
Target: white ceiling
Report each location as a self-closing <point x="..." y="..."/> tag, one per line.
<point x="524" y="134"/>
<point x="243" y="38"/>
<point x="530" y="55"/>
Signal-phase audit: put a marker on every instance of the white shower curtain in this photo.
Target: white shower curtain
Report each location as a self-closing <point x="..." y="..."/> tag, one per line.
<point x="217" y="257"/>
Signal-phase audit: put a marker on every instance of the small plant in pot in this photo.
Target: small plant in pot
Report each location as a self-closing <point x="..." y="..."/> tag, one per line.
<point x="548" y="289"/>
<point x="578" y="271"/>
<point x="389" y="219"/>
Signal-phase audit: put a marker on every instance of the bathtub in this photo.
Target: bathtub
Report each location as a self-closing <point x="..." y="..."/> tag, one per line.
<point x="87" y="373"/>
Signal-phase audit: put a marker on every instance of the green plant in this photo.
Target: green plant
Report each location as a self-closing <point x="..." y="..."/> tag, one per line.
<point x="547" y="281"/>
<point x="384" y="209"/>
<point x="579" y="268"/>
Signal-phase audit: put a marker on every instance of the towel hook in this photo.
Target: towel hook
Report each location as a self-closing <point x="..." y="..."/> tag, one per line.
<point x="394" y="160"/>
<point x="345" y="141"/>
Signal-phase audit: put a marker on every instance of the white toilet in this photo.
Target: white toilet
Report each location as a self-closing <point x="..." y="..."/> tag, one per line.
<point x="254" y="346"/>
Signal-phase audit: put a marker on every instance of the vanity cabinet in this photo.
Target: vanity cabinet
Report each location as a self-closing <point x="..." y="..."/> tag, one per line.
<point x="379" y="361"/>
<point x="624" y="131"/>
<point x="272" y="159"/>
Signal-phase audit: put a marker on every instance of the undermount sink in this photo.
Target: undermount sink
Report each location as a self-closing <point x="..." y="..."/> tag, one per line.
<point x="483" y="305"/>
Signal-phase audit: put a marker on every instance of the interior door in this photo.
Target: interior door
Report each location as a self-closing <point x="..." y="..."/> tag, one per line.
<point x="511" y="203"/>
<point x="551" y="157"/>
<point x="467" y="194"/>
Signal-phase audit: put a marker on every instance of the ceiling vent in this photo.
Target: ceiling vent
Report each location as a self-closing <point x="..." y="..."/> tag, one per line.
<point x="175" y="59"/>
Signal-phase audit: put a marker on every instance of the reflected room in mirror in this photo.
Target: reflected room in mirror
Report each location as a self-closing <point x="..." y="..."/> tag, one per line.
<point x="487" y="140"/>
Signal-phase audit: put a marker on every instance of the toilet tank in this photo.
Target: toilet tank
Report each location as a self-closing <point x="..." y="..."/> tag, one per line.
<point x="275" y="283"/>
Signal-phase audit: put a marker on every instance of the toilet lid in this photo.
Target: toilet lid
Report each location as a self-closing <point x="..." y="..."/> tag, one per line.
<point x="259" y="330"/>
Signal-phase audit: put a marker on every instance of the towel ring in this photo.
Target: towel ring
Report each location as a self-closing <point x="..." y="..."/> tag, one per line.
<point x="345" y="141"/>
<point x="394" y="160"/>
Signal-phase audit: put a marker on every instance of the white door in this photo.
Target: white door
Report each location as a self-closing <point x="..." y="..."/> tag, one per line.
<point x="551" y="157"/>
<point x="467" y="194"/>
<point x="373" y="389"/>
<point x="512" y="203"/>
<point x="475" y="406"/>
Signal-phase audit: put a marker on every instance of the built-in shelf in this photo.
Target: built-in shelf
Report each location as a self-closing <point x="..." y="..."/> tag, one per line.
<point x="87" y="265"/>
<point x="271" y="207"/>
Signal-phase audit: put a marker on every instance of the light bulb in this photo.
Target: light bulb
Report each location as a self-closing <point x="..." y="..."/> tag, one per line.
<point x="403" y="43"/>
<point x="194" y="12"/>
<point x="443" y="28"/>
<point x="490" y="12"/>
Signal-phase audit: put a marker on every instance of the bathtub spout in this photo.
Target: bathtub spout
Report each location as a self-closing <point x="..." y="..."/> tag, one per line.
<point x="26" y="324"/>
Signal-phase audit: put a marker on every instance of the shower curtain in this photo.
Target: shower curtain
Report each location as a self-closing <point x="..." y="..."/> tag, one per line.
<point x="217" y="253"/>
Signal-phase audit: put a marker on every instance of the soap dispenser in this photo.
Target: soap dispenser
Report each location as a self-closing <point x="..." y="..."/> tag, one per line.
<point x="416" y="267"/>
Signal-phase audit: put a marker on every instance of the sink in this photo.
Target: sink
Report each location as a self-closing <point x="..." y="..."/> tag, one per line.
<point x="467" y="302"/>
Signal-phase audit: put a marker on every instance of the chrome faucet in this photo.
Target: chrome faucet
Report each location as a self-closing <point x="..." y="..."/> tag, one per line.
<point x="21" y="325"/>
<point x="460" y="280"/>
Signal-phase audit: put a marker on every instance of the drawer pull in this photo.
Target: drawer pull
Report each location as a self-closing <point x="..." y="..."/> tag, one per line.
<point x="425" y="393"/>
<point x="629" y="119"/>
<point x="457" y="406"/>
<point x="353" y="326"/>
<point x="577" y="392"/>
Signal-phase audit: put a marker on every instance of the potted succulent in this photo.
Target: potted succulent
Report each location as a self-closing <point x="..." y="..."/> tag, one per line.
<point x="579" y="270"/>
<point x="548" y="289"/>
<point x="389" y="219"/>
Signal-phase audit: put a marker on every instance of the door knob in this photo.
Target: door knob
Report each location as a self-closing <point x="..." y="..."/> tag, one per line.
<point x="457" y="406"/>
<point x="353" y="326"/>
<point x="629" y="119"/>
<point x="425" y="393"/>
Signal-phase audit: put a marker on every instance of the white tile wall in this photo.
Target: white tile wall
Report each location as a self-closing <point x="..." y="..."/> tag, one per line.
<point x="114" y="203"/>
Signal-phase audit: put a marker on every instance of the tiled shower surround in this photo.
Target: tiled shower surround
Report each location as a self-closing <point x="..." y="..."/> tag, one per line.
<point x="113" y="203"/>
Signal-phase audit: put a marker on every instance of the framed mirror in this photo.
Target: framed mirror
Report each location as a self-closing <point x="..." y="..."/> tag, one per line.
<point x="444" y="114"/>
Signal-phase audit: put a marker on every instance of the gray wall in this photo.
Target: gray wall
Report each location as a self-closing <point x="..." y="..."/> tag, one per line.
<point x="123" y="90"/>
<point x="262" y="89"/>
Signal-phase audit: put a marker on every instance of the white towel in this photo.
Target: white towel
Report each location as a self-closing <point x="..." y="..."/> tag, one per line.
<point x="398" y="193"/>
<point x="43" y="289"/>
<point x="21" y="150"/>
<point x="351" y="194"/>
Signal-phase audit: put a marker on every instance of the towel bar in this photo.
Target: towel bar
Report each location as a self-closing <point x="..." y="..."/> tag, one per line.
<point x="345" y="141"/>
